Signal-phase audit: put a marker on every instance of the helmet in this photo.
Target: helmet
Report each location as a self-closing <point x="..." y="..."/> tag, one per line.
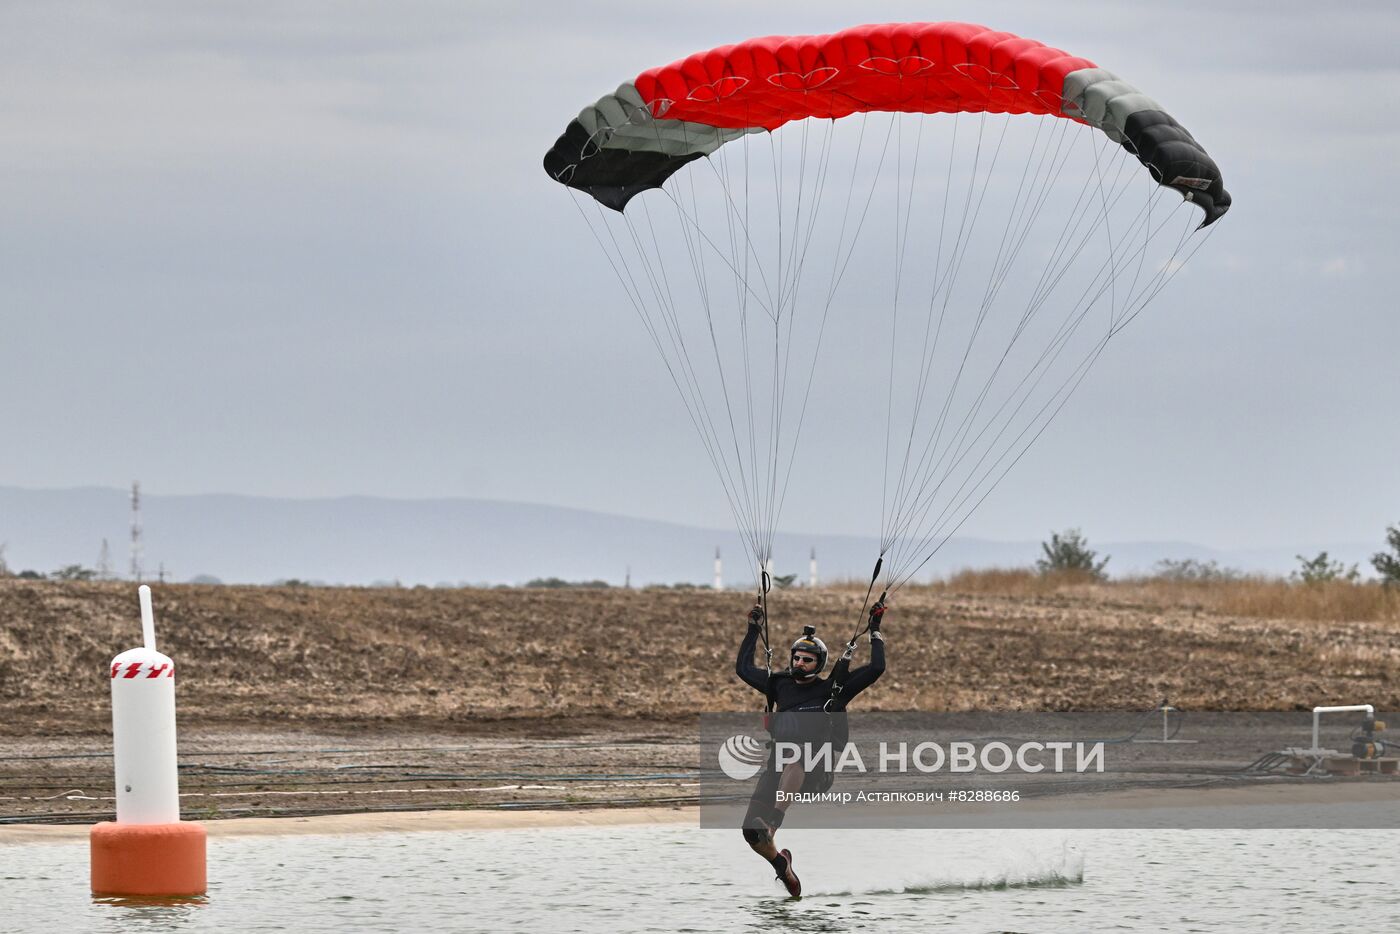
<point x="811" y="644"/>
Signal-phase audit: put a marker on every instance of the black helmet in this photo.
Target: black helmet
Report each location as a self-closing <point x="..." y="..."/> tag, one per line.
<point x="811" y="644"/>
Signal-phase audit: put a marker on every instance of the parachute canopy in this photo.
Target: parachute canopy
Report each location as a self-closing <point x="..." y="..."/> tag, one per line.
<point x="968" y="217"/>
<point x="637" y="137"/>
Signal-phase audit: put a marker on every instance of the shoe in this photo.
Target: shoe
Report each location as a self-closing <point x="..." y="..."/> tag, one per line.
<point x="789" y="878"/>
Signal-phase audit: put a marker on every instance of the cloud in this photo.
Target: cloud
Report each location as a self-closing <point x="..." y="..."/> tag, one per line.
<point x="1341" y="267"/>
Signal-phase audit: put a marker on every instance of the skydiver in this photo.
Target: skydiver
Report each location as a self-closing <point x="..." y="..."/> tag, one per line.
<point x="799" y="689"/>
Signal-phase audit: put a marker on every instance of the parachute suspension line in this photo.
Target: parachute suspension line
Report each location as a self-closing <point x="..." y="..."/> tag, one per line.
<point x="916" y="515"/>
<point x="840" y="265"/>
<point x="1063" y="394"/>
<point x="745" y="515"/>
<point x="1057" y="401"/>
<point x="789" y="264"/>
<point x="742" y="498"/>
<point x="945" y="280"/>
<point x="1108" y="234"/>
<point x="946" y="283"/>
<point x="731" y="217"/>
<point x="1056" y="270"/>
<point x="751" y="478"/>
<point x="623" y="271"/>
<point x="693" y="392"/>
<point x="838" y="269"/>
<point x="801" y="244"/>
<point x="894" y="324"/>
<point x="889" y="535"/>
<point x="905" y="577"/>
<point x="974" y="478"/>
<point x="885" y="537"/>
<point x="697" y="259"/>
<point x="756" y="479"/>
<point x="1142" y="254"/>
<point x="917" y="489"/>
<point x="1175" y="268"/>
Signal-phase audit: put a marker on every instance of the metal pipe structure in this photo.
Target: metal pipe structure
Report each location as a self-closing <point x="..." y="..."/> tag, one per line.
<point x="1319" y="711"/>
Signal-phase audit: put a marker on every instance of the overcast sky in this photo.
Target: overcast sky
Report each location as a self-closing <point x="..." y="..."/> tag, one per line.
<point x="307" y="249"/>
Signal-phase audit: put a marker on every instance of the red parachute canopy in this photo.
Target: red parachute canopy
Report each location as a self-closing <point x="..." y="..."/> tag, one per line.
<point x="637" y="137"/>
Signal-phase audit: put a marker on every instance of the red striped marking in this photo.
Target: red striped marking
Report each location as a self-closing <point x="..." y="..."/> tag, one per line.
<point x="131" y="670"/>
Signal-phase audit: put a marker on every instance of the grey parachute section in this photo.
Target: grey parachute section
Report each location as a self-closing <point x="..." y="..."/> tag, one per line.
<point x="1129" y="117"/>
<point x="615" y="148"/>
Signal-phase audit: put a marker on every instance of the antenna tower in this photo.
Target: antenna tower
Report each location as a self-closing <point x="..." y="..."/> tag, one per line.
<point x="136" y="531"/>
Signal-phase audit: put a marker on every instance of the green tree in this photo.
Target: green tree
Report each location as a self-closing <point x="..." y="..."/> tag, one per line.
<point x="1194" y="571"/>
<point x="1321" y="569"/>
<point x="74" y="572"/>
<point x="1070" y="552"/>
<point x="557" y="583"/>
<point x="1387" y="564"/>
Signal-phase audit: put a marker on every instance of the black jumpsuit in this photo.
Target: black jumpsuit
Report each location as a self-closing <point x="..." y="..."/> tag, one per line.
<point x="797" y="706"/>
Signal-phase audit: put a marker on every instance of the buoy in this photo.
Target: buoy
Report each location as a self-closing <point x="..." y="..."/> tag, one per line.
<point x="148" y="850"/>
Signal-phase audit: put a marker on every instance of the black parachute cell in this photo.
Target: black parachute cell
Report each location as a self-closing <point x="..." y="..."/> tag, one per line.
<point x="612" y="176"/>
<point x="1175" y="159"/>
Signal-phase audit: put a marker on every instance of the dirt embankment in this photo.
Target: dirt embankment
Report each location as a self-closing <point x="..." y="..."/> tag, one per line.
<point x="546" y="661"/>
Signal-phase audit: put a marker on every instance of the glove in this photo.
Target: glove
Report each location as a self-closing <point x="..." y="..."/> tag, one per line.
<point x="756" y="614"/>
<point x="877" y="613"/>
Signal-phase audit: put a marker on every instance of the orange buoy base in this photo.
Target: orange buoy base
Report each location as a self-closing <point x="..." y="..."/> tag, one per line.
<point x="148" y="859"/>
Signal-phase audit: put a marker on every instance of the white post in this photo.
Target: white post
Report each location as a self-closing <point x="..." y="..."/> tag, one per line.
<point x="812" y="570"/>
<point x="719" y="572"/>
<point x="148" y="618"/>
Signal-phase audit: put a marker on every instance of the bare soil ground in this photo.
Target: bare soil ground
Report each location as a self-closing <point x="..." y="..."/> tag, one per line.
<point x="316" y="700"/>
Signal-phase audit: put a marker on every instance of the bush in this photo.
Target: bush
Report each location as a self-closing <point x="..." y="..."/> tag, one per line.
<point x="1070" y="552"/>
<point x="1387" y="565"/>
<point x="555" y="583"/>
<point x="74" y="572"/>
<point x="1194" y="571"/>
<point x="1322" y="569"/>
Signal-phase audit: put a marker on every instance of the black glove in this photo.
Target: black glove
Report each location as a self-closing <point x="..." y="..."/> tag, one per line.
<point x="877" y="613"/>
<point x="756" y="614"/>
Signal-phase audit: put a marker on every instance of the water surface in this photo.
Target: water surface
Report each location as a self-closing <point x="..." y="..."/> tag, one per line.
<point x="679" y="878"/>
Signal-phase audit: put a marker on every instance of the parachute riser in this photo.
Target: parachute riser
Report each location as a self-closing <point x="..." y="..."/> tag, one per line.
<point x="765" y="585"/>
<point x="862" y="623"/>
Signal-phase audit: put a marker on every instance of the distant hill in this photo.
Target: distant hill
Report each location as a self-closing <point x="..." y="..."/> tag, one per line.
<point x="363" y="540"/>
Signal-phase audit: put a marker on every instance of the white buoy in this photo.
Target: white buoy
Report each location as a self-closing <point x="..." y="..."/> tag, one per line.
<point x="147" y="850"/>
<point x="143" y="729"/>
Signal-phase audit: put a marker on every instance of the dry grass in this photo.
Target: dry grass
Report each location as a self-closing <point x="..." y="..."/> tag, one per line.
<point x="289" y="658"/>
<point x="1017" y="582"/>
<point x="1255" y="597"/>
